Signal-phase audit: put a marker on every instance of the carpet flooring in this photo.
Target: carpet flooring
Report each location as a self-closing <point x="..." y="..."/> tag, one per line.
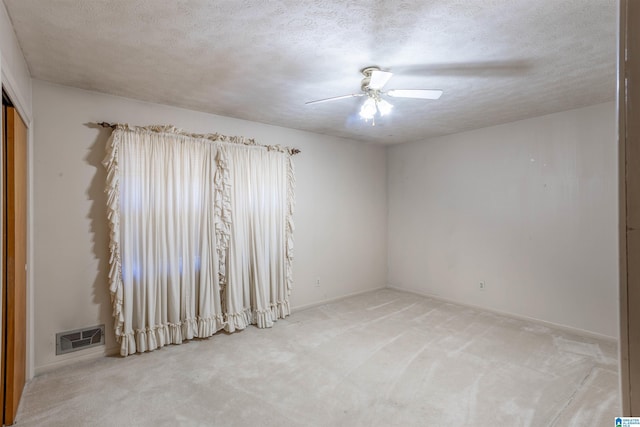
<point x="384" y="358"/>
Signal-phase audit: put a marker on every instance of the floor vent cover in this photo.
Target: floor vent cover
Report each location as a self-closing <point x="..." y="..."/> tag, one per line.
<point x="69" y="341"/>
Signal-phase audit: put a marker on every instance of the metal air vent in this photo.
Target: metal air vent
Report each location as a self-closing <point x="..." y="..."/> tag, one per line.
<point x="79" y="339"/>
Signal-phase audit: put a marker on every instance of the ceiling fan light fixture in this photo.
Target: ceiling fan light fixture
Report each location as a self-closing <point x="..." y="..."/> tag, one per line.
<point x="384" y="107"/>
<point x="368" y="109"/>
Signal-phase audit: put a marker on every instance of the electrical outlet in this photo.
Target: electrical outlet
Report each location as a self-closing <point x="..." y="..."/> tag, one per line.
<point x="317" y="282"/>
<point x="482" y="286"/>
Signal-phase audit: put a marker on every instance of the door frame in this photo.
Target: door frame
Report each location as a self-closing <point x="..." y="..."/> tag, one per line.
<point x="629" y="203"/>
<point x="14" y="224"/>
<point x="11" y="86"/>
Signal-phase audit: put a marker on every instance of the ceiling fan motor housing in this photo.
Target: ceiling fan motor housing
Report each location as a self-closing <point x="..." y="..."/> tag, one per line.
<point x="366" y="72"/>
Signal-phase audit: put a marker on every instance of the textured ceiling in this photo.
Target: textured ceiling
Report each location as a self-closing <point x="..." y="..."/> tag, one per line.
<point x="496" y="60"/>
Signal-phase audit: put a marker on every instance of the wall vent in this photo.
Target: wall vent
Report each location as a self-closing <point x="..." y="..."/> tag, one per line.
<point x="79" y="339"/>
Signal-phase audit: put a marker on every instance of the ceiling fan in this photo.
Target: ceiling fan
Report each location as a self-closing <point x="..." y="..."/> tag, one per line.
<point x="371" y="87"/>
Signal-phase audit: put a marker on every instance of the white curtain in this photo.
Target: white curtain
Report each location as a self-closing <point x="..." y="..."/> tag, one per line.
<point x="257" y="249"/>
<point x="201" y="234"/>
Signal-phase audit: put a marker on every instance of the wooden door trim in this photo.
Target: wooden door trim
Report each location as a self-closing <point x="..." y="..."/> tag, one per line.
<point x="15" y="191"/>
<point x="622" y="211"/>
<point x="629" y="152"/>
<point x="4" y="265"/>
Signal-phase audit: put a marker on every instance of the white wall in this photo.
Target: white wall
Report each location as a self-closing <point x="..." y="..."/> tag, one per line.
<point x="530" y="207"/>
<point x="462" y="208"/>
<point x="340" y="211"/>
<point x="15" y="74"/>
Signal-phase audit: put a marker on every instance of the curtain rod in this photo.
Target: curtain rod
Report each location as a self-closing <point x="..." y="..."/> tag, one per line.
<point x="293" y="151"/>
<point x="107" y="125"/>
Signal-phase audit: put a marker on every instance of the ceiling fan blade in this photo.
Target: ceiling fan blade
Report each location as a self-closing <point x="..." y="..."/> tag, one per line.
<point x="335" y="98"/>
<point x="379" y="79"/>
<point x="488" y="69"/>
<point x="416" y="93"/>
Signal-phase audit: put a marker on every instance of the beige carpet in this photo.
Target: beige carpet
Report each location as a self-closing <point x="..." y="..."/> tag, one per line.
<point x="385" y="358"/>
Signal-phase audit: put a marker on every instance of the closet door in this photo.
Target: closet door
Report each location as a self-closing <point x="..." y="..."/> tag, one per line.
<point x="15" y="258"/>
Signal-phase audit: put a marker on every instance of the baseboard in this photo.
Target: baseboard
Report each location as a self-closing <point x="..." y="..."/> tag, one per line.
<point x="104" y="352"/>
<point x="571" y="329"/>
<point x="334" y="299"/>
<point x="97" y="354"/>
<point x="80" y="357"/>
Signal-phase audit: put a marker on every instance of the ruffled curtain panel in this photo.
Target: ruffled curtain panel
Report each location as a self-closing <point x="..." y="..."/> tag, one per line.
<point x="201" y="234"/>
